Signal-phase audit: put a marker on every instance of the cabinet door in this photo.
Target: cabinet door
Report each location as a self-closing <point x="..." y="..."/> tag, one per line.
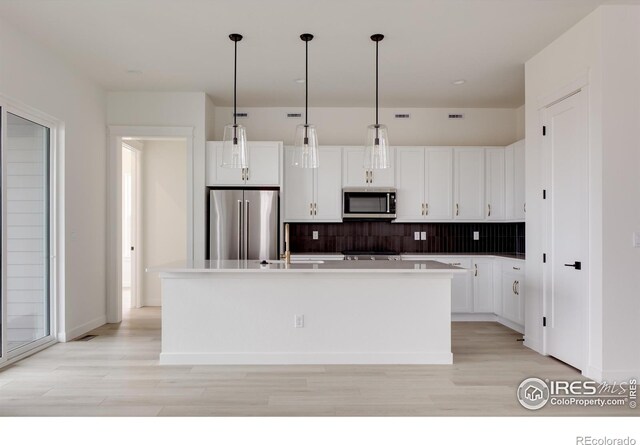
<point x="511" y="300"/>
<point x="469" y="184"/>
<point x="509" y="183"/>
<point x="519" y="179"/>
<point x="461" y="291"/>
<point x="328" y="185"/>
<point x="354" y="174"/>
<point x="438" y="183"/>
<point x="410" y="185"/>
<point x="385" y="177"/>
<point x="495" y="183"/>
<point x="226" y="176"/>
<point x="264" y="163"/>
<point x="297" y="190"/>
<point x="483" y="285"/>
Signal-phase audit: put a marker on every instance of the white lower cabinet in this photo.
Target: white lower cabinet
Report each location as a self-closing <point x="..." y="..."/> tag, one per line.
<point x="493" y="288"/>
<point x="513" y="292"/>
<point x="483" y="285"/>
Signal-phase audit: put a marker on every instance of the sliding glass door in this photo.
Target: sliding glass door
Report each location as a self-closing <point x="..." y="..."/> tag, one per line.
<point x="26" y="241"/>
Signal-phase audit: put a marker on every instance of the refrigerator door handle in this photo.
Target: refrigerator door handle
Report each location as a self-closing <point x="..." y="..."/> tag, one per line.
<point x="246" y="230"/>
<point x="239" y="229"/>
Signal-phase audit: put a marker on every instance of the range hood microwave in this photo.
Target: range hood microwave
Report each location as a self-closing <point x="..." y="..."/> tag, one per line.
<point x="367" y="203"/>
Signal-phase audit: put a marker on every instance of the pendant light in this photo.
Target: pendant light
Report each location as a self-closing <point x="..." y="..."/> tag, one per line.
<point x="376" y="152"/>
<point x="234" y="145"/>
<point x="305" y="154"/>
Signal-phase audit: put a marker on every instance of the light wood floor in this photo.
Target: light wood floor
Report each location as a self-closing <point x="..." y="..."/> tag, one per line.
<point x="117" y="374"/>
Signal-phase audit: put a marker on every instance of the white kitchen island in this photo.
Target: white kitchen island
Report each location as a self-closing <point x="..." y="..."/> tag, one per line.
<point x="337" y="312"/>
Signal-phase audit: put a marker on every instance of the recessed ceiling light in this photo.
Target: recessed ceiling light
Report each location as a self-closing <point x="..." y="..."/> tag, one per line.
<point x="459" y="82"/>
<point x="134" y="72"/>
<point x="299" y="80"/>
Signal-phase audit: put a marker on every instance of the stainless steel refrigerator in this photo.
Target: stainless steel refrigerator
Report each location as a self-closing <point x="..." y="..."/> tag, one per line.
<point x="243" y="224"/>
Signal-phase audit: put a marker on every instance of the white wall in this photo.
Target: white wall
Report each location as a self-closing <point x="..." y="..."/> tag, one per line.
<point x="606" y="47"/>
<point x="348" y="126"/>
<point x="33" y="75"/>
<point x="170" y="109"/>
<point x="164" y="210"/>
<point x="621" y="190"/>
<point x="520" y="122"/>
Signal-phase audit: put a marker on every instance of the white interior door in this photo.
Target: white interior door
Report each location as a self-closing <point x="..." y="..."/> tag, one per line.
<point x="566" y="274"/>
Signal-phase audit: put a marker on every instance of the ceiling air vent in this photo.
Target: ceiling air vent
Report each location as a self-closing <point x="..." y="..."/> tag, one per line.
<point x="294" y="115"/>
<point x="242" y="115"/>
<point x="456" y="116"/>
<point x="402" y="116"/>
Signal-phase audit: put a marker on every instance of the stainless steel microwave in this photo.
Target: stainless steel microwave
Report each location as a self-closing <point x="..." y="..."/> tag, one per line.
<point x="368" y="203"/>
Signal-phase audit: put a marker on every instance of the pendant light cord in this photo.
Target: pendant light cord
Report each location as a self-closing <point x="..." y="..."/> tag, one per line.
<point x="306" y="83"/>
<point x="376" y="88"/>
<point x="235" y="77"/>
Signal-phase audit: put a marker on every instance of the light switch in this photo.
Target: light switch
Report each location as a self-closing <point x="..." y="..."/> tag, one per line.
<point x="315" y="234"/>
<point x="476" y="236"/>
<point x="423" y="236"/>
<point x="636" y="239"/>
<point x="416" y="236"/>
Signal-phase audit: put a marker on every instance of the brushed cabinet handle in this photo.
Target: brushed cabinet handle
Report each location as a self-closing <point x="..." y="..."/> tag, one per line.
<point x="422" y="213"/>
<point x="315" y="208"/>
<point x="371" y="176"/>
<point x="524" y="207"/>
<point x="457" y="209"/>
<point x="476" y="272"/>
<point x="516" y="268"/>
<point x="513" y="288"/>
<point x="247" y="174"/>
<point x="311" y="208"/>
<point x="517" y="287"/>
<point x="489" y="214"/>
<point x="243" y="173"/>
<point x="426" y="209"/>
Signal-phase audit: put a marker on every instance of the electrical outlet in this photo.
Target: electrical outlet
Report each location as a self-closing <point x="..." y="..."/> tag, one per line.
<point x="298" y="321"/>
<point x="476" y="236"/>
<point x="416" y="236"/>
<point x="423" y="236"/>
<point x="315" y="234"/>
<point x="636" y="239"/>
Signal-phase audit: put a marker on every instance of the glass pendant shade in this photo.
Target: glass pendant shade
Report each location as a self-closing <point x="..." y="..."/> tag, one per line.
<point x="234" y="147"/>
<point x="376" y="151"/>
<point x="305" y="154"/>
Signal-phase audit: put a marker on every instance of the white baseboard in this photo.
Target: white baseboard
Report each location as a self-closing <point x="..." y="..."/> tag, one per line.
<point x="515" y="326"/>
<point x="82" y="329"/>
<point x="319" y="358"/>
<point x="458" y="316"/>
<point x="593" y="373"/>
<point x="487" y="317"/>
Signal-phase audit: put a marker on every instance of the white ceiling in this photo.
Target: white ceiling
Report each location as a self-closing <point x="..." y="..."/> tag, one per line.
<point x="182" y="45"/>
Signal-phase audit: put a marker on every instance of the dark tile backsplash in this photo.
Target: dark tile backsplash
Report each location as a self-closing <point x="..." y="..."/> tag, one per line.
<point x="398" y="237"/>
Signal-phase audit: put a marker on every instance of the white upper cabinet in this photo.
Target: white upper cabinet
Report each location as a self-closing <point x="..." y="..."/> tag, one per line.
<point x="314" y="194"/>
<point x="264" y="160"/>
<point x="410" y="183"/>
<point x="328" y="185"/>
<point x="438" y="183"/>
<point x="355" y="175"/>
<point x="298" y="190"/>
<point x="424" y="182"/>
<point x="515" y="181"/>
<point x="469" y="184"/>
<point x="495" y="183"/>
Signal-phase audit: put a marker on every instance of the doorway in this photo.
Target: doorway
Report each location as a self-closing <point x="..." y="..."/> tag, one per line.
<point x="566" y="152"/>
<point x="131" y="212"/>
<point x="154" y="215"/>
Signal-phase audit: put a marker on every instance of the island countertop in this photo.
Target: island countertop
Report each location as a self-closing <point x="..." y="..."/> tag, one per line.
<point x="255" y="266"/>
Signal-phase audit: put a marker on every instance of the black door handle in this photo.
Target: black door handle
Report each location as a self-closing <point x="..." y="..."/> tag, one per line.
<point x="577" y="265"/>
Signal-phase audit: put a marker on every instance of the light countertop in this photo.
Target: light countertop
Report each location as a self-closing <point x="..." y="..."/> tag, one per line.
<point x="254" y="266"/>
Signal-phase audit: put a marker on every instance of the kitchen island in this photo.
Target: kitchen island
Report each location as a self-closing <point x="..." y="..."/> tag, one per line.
<point x="334" y="312"/>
